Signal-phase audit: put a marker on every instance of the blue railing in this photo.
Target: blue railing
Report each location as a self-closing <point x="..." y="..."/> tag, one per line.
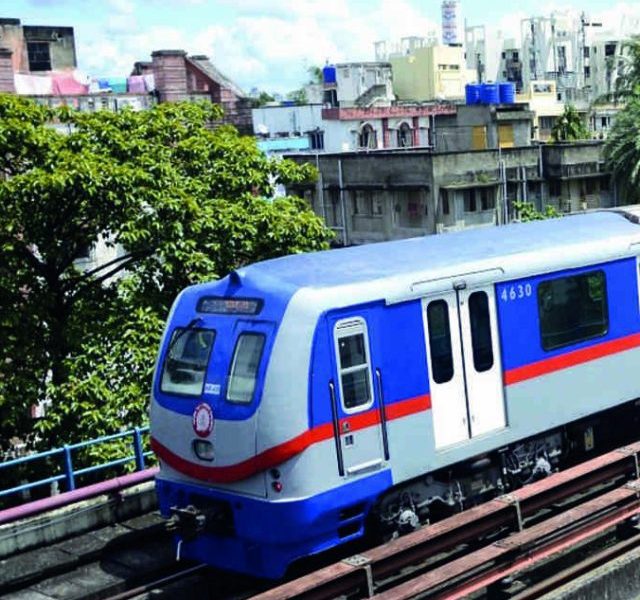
<point x="65" y="454"/>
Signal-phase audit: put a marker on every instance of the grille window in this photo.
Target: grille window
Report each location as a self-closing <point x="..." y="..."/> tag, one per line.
<point x="572" y="309"/>
<point x="39" y="56"/>
<point x="186" y="362"/>
<point x="354" y="368"/>
<point x="440" y="341"/>
<point x="244" y="368"/>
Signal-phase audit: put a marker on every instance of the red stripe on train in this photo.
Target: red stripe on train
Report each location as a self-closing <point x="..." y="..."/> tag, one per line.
<point x="571" y="359"/>
<point x="283" y="452"/>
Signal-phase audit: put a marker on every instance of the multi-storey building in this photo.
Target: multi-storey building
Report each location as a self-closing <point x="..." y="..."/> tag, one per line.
<point x="488" y="165"/>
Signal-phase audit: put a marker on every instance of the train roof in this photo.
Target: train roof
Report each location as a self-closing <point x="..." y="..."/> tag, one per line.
<point x="587" y="236"/>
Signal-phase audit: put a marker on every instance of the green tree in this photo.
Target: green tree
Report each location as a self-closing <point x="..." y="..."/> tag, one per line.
<point x="569" y="127"/>
<point x="622" y="151"/>
<point x="183" y="202"/>
<point x="299" y="96"/>
<point x="526" y="211"/>
<point x="316" y="75"/>
<point x="262" y="99"/>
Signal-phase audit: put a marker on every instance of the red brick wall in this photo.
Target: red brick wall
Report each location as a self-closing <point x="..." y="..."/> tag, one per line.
<point x="170" y="74"/>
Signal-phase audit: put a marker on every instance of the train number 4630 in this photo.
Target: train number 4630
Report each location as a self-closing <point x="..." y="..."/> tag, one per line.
<point x="516" y="292"/>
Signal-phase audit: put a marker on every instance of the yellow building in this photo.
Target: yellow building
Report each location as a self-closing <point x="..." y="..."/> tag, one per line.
<point x="542" y="98"/>
<point x="430" y="73"/>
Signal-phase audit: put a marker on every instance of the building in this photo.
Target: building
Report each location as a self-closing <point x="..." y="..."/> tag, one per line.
<point x="482" y="126"/>
<point x="542" y="99"/>
<point x="430" y="73"/>
<point x="38" y="48"/>
<point x="359" y="113"/>
<point x="393" y="193"/>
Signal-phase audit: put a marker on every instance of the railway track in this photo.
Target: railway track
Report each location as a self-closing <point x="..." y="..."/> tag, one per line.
<point x="545" y="534"/>
<point x="517" y="546"/>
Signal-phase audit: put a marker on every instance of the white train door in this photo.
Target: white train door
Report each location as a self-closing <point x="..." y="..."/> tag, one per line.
<point x="465" y="373"/>
<point x="358" y="422"/>
<point x="481" y="351"/>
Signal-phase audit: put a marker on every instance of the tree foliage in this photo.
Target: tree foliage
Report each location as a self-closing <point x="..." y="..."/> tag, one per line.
<point x="526" y="211"/>
<point x="569" y="127"/>
<point x="181" y="202"/>
<point x="622" y="150"/>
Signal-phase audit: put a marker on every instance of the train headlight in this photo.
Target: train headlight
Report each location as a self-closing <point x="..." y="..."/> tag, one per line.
<point x="203" y="449"/>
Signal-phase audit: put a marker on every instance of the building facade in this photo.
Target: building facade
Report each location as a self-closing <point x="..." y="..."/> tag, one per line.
<point x="391" y="194"/>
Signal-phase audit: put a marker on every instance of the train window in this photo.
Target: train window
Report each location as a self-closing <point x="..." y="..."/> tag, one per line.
<point x="440" y="341"/>
<point x="244" y="367"/>
<point x="353" y="357"/>
<point x="572" y="309"/>
<point x="480" y="331"/>
<point x="186" y="362"/>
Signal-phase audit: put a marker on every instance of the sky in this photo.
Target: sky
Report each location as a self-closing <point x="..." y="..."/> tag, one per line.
<point x="266" y="44"/>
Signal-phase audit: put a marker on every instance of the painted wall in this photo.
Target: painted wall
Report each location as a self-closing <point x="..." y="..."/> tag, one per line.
<point x="430" y="73"/>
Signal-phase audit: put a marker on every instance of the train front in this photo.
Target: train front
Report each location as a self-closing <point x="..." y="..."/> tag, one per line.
<point x="214" y="485"/>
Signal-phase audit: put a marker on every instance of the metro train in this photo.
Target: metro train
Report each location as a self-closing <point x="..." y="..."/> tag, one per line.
<point x="303" y="402"/>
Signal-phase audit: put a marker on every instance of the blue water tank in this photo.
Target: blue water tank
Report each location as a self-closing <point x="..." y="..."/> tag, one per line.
<point x="507" y="92"/>
<point x="329" y="74"/>
<point x="472" y="93"/>
<point x="489" y="93"/>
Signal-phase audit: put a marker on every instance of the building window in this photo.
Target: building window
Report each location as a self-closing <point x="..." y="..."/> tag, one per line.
<point x="367" y="137"/>
<point x="487" y="199"/>
<point x="244" y="368"/>
<point x="555" y="187"/>
<point x="587" y="71"/>
<point x="469" y="200"/>
<point x="410" y="208"/>
<point x="404" y="136"/>
<point x="445" y="202"/>
<point x="590" y="186"/>
<point x="505" y="136"/>
<point x="353" y="364"/>
<point x="39" y="56"/>
<point x="546" y="123"/>
<point x="440" y="350"/>
<point x="478" y="137"/>
<point x="316" y="139"/>
<point x="572" y="309"/>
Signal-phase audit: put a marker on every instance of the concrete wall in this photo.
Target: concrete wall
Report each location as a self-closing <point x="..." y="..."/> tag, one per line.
<point x="457" y="133"/>
<point x="430" y="73"/>
<point x="275" y="120"/>
<point x="354" y="79"/>
<point x="384" y="195"/>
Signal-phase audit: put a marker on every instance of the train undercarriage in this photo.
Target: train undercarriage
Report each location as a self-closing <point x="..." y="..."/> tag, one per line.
<point x="436" y="495"/>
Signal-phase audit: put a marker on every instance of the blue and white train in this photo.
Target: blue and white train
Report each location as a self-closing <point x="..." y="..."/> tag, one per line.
<point x="301" y="401"/>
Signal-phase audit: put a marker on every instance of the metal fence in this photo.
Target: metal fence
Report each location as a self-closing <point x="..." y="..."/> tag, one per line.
<point x="65" y="458"/>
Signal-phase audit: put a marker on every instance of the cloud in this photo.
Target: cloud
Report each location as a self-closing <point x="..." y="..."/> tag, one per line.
<point x="270" y="45"/>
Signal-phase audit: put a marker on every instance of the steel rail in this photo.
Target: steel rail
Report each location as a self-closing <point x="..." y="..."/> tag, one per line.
<point x="158" y="583"/>
<point x="510" y="511"/>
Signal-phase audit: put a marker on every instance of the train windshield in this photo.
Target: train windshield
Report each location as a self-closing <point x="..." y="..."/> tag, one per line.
<point x="186" y="362"/>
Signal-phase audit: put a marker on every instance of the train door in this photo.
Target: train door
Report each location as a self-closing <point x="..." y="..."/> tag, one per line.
<point x="355" y="402"/>
<point x="481" y="354"/>
<point x="465" y="372"/>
